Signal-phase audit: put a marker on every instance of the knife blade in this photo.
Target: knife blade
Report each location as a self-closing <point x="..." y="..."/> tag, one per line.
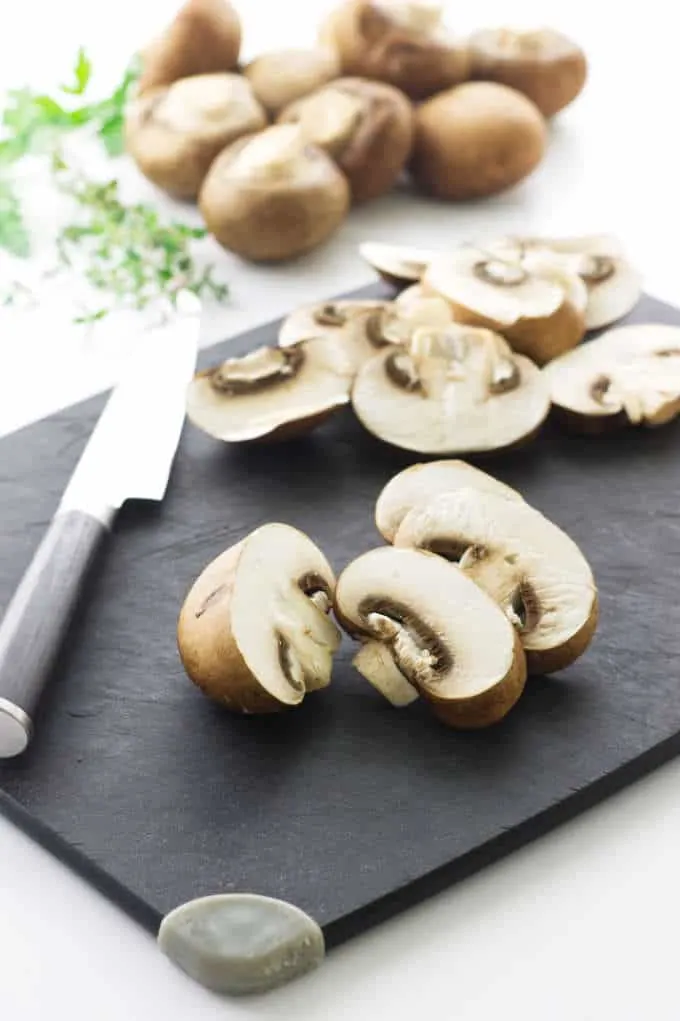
<point x="129" y="456"/>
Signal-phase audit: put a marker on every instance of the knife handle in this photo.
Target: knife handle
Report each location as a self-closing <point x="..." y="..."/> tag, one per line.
<point x="38" y="617"/>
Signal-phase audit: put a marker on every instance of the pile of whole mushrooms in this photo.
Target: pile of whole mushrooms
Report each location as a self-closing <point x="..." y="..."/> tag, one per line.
<point x="469" y="357"/>
<point x="474" y="590"/>
<point x="277" y="151"/>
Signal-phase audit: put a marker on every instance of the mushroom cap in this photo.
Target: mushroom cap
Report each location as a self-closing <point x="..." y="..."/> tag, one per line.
<point x="450" y="642"/>
<point x="365" y="126"/>
<point x="350" y="329"/>
<point x="467" y="394"/>
<point x="417" y="485"/>
<point x="175" y="132"/>
<point x="403" y="44"/>
<point x="545" y="65"/>
<point x="283" y="76"/>
<point x="249" y="634"/>
<point x="540" y="314"/>
<point x="204" y="37"/>
<point x="272" y="196"/>
<point x="475" y="140"/>
<point x="630" y="374"/>
<point x="397" y="264"/>
<point x="271" y="393"/>
<point x="530" y="567"/>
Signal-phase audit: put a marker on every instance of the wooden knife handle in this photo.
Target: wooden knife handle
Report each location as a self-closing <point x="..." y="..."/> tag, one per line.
<point x="38" y="617"/>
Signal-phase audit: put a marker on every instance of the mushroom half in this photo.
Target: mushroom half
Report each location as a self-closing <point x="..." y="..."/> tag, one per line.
<point x="273" y="393"/>
<point x="175" y="132"/>
<point x="428" y="630"/>
<point x="418" y="485"/>
<point x="531" y="568"/>
<point x="541" y="315"/>
<point x="629" y="375"/>
<point x="254" y="632"/>
<point x="399" y="265"/>
<point x="352" y="330"/>
<point x="456" y="390"/>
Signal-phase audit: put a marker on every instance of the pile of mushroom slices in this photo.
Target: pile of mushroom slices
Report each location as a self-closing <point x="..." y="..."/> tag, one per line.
<point x="476" y="590"/>
<point x="278" y="149"/>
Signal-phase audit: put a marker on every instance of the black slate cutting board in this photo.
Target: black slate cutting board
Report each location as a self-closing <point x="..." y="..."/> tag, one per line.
<point x="346" y="807"/>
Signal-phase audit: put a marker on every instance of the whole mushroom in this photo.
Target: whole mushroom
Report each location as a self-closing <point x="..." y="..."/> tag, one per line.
<point x="204" y="37"/>
<point x="174" y="132"/>
<point x="402" y="43"/>
<point x="365" y="126"/>
<point x="475" y="140"/>
<point x="283" y="76"/>
<point x="272" y="196"/>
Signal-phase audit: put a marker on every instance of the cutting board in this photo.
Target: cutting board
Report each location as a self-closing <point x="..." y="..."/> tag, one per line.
<point x="347" y="807"/>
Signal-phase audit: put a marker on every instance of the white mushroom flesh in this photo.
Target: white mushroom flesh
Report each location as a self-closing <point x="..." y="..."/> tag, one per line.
<point x="530" y="567"/>
<point x="400" y="262"/>
<point x="352" y="330"/>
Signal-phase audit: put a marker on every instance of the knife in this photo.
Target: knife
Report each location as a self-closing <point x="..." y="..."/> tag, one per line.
<point x="128" y="456"/>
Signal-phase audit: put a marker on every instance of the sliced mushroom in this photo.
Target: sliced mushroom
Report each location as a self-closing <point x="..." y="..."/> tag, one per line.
<point x="254" y="632"/>
<point x="273" y="393"/>
<point x="418" y="485"/>
<point x="352" y="330"/>
<point x="204" y="37"/>
<point x="545" y="65"/>
<point x="396" y="264"/>
<point x="629" y="375"/>
<point x="457" y="390"/>
<point x="536" y="313"/>
<point x="613" y="285"/>
<point x="283" y="76"/>
<point x="427" y="629"/>
<point x="404" y="44"/>
<point x="531" y="568"/>
<point x="365" y="126"/>
<point x="476" y="140"/>
<point x="175" y="132"/>
<point x="273" y="196"/>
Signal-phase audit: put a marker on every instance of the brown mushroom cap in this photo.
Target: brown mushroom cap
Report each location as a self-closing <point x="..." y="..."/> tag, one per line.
<point x="271" y="393"/>
<point x="283" y="76"/>
<point x="426" y="629"/>
<point x="253" y="632"/>
<point x="403" y="44"/>
<point x="454" y="391"/>
<point x="629" y="375"/>
<point x="476" y="140"/>
<point x="543" y="64"/>
<point x="530" y="567"/>
<point x="365" y="126"/>
<point x="175" y="132"/>
<point x="540" y="315"/>
<point x="204" y="37"/>
<point x="272" y="196"/>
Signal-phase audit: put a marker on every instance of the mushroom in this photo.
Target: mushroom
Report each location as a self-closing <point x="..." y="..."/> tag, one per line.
<point x="541" y="316"/>
<point x="456" y="390"/>
<point x="254" y="632"/>
<point x="613" y="285"/>
<point x="530" y="567"/>
<point x="271" y="393"/>
<point x="402" y="43"/>
<point x="396" y="264"/>
<point x="428" y="630"/>
<point x="545" y="65"/>
<point x="475" y="140"/>
<point x="365" y="126"/>
<point x="174" y="132"/>
<point x="629" y="375"/>
<point x="351" y="329"/>
<point x="282" y="76"/>
<point x="205" y="36"/>
<point x="272" y="196"/>
<point x="418" y="485"/>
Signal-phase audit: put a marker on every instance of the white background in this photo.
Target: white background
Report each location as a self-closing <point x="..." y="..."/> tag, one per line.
<point x="581" y="925"/>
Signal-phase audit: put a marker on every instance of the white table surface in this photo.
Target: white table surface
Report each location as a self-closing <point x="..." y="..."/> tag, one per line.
<point x="580" y="925"/>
